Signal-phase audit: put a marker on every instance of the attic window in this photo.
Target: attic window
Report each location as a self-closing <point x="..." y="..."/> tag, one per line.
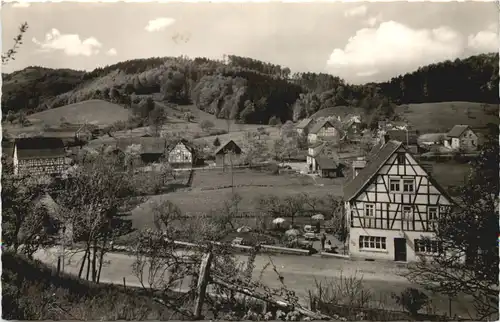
<point x="401" y="158"/>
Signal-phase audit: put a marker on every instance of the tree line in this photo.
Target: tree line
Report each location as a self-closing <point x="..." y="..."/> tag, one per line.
<point x="249" y="90"/>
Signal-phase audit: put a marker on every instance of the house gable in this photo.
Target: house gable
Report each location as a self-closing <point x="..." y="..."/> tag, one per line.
<point x="388" y="192"/>
<point x="231" y="145"/>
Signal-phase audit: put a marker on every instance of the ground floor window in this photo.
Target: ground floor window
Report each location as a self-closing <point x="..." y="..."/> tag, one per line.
<point x="428" y="246"/>
<point x="372" y="242"/>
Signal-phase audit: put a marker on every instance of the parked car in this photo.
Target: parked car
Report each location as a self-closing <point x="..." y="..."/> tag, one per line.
<point x="310" y="236"/>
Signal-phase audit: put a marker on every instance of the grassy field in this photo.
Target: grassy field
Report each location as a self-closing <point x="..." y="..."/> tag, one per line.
<point x="441" y="117"/>
<point x="213" y="179"/>
<point x="96" y="112"/>
<point x="204" y="195"/>
<point x="449" y="173"/>
<point x="432" y="117"/>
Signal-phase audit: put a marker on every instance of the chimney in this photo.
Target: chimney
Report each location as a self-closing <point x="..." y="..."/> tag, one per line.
<point x="357" y="166"/>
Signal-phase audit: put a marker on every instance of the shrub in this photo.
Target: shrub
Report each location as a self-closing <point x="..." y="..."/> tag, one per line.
<point x="206" y="125"/>
<point x="216" y="142"/>
<point x="411" y="299"/>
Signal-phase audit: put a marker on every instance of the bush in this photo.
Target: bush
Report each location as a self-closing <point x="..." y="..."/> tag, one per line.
<point x="273" y="121"/>
<point x="206" y="125"/>
<point x="216" y="142"/>
<point x="411" y="299"/>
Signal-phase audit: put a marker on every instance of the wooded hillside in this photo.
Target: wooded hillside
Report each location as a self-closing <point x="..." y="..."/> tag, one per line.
<point x="248" y="90"/>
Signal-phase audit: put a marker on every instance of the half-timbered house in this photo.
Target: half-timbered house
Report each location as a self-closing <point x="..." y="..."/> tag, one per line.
<point x="392" y="205"/>
<point x="38" y="156"/>
<point x="181" y="154"/>
<point x="323" y="130"/>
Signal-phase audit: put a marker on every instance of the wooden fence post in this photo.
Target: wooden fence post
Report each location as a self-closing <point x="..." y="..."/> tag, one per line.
<point x="202" y="285"/>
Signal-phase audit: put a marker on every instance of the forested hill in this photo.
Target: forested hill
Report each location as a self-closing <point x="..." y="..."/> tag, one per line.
<point x="246" y="89"/>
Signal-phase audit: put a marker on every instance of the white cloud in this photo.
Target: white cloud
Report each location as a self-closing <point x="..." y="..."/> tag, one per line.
<point x="359" y="11"/>
<point x="395" y="45"/>
<point x="485" y="40"/>
<point x="372" y="21"/>
<point x="71" y="44"/>
<point x="112" y="52"/>
<point x="367" y="73"/>
<point x="159" y="24"/>
<point x="21" y="5"/>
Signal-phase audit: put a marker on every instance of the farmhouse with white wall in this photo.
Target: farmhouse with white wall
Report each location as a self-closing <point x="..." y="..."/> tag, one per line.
<point x="461" y="137"/>
<point x="391" y="204"/>
<point x="322" y="130"/>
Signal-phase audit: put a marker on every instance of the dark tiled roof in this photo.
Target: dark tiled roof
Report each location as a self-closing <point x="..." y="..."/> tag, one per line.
<point x="400" y="135"/>
<point x="457" y="130"/>
<point x="188" y="145"/>
<point x="318" y="126"/>
<point x="39" y="147"/>
<point x="352" y="188"/>
<point x="229" y="145"/>
<point x="7" y="148"/>
<point x="304" y="123"/>
<point x="325" y="163"/>
<point x="148" y="145"/>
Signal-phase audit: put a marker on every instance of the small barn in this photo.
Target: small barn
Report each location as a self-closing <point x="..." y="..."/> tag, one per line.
<point x="227" y="154"/>
<point x="150" y="149"/>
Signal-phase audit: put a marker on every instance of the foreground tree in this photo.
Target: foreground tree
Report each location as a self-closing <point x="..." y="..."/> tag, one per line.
<point x="24" y="216"/>
<point x="468" y="260"/>
<point x="18" y="40"/>
<point x="180" y="280"/>
<point x="93" y="198"/>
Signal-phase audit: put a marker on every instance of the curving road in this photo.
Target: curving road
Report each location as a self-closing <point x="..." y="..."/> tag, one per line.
<point x="299" y="272"/>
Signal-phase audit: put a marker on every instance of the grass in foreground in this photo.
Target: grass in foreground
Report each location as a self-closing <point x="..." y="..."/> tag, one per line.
<point x="32" y="291"/>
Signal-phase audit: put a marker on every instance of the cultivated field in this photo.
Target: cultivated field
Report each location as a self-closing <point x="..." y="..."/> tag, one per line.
<point x="204" y="180"/>
<point x="206" y="193"/>
<point x="96" y="112"/>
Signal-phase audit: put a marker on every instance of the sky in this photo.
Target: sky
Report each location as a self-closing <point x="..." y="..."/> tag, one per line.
<point x="358" y="41"/>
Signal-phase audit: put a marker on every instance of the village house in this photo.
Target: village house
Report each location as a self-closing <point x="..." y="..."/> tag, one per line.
<point x="38" y="156"/>
<point x="408" y="136"/>
<point x="392" y="205"/>
<point x="324" y="129"/>
<point x="181" y="154"/>
<point x="149" y="149"/>
<point x="461" y="137"/>
<point x="318" y="162"/>
<point x="228" y="154"/>
<point x="328" y="167"/>
<point x="313" y="151"/>
<point x="304" y="125"/>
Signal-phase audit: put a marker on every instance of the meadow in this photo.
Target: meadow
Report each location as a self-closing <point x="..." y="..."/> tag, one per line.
<point x="211" y="189"/>
<point x="432" y="117"/>
<point x="98" y="112"/>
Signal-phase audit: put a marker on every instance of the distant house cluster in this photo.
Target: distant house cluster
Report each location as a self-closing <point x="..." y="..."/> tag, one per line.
<point x="179" y="153"/>
<point x="460" y="138"/>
